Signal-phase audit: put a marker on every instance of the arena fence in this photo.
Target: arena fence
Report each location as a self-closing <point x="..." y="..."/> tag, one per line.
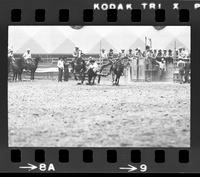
<point x="141" y="69"/>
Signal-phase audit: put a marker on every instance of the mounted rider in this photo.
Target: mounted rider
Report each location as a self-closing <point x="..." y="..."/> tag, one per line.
<point x="111" y="56"/>
<point x="11" y="55"/>
<point x="76" y="54"/>
<point x="27" y="56"/>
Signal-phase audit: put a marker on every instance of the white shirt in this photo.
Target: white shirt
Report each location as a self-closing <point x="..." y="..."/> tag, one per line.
<point x="77" y="53"/>
<point x="27" y="55"/>
<point x="103" y="55"/>
<point x="130" y="55"/>
<point x="94" y="66"/>
<point x="180" y="64"/>
<point x="184" y="54"/>
<point x="122" y="55"/>
<point x="10" y="55"/>
<point x="60" y="64"/>
<point x="162" y="65"/>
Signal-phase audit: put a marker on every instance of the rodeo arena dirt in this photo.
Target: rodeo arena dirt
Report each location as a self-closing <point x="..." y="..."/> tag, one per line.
<point x="97" y="89"/>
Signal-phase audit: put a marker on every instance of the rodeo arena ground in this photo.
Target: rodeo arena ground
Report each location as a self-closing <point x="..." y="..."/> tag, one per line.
<point x="131" y="97"/>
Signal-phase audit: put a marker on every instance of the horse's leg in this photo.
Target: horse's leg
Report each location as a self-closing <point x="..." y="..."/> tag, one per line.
<point x="113" y="78"/>
<point x="33" y="75"/>
<point x="19" y="76"/>
<point x="117" y="82"/>
<point x="94" y="77"/>
<point x="75" y="76"/>
<point x="89" y="78"/>
<point x="13" y="76"/>
<point x="99" y="78"/>
<point x="82" y="78"/>
<point x="116" y="77"/>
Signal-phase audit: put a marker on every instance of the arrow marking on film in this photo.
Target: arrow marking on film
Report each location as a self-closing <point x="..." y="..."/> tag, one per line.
<point x="29" y="167"/>
<point x="129" y="168"/>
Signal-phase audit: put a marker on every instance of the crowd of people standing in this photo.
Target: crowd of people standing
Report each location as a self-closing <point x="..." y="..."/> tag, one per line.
<point x="157" y="57"/>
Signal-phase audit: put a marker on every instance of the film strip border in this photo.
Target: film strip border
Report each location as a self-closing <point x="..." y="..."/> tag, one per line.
<point x="92" y="159"/>
<point x="183" y="15"/>
<point x="88" y="156"/>
<point x="99" y="160"/>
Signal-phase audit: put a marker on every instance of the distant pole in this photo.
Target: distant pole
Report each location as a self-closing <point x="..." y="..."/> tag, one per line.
<point x="175" y="49"/>
<point x="100" y="47"/>
<point x="145" y="43"/>
<point x="100" y="52"/>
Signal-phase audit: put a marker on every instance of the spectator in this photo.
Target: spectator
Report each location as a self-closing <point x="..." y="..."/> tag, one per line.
<point x="130" y="55"/>
<point x="122" y="54"/>
<point x="11" y="55"/>
<point x="66" y="71"/>
<point x="181" y="68"/>
<point x="187" y="72"/>
<point x="154" y="53"/>
<point x="92" y="64"/>
<point x="162" y="67"/>
<point x="103" y="56"/>
<point x="60" y="66"/>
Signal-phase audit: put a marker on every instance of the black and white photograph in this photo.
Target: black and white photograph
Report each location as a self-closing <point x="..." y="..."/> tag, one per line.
<point x="99" y="86"/>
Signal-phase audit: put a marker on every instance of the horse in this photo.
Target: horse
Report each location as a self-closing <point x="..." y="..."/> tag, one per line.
<point x="9" y="64"/>
<point x="16" y="66"/>
<point x="116" y="70"/>
<point x="79" y="69"/>
<point x="31" y="66"/>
